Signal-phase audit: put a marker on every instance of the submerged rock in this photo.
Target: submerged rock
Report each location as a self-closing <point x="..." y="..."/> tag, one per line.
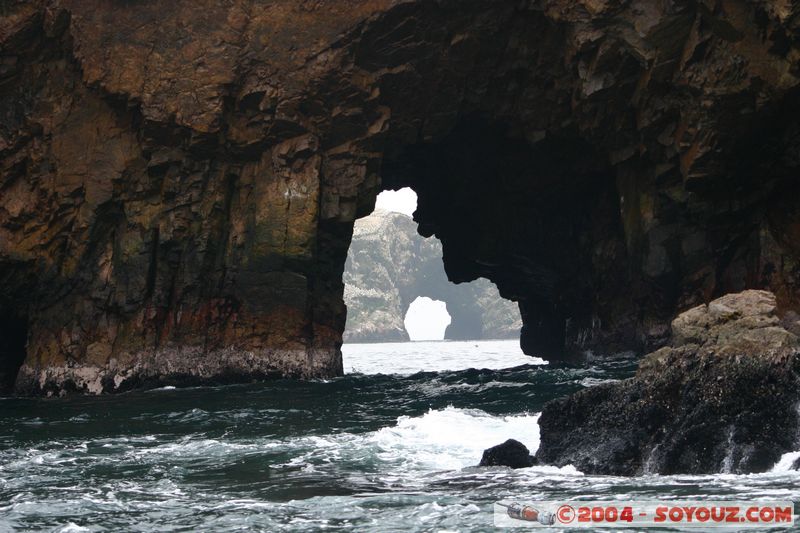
<point x="511" y="453"/>
<point x="722" y="398"/>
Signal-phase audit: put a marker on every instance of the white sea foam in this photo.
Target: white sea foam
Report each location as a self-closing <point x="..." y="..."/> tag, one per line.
<point x="441" y="440"/>
<point x="786" y="462"/>
<point x="72" y="528"/>
<point x="727" y="462"/>
<point x="453" y="438"/>
<point x="440" y="448"/>
<point x="593" y="382"/>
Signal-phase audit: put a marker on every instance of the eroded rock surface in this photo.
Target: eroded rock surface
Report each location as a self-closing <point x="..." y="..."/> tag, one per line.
<point x="179" y="180"/>
<point x="723" y="397"/>
<point x="389" y="265"/>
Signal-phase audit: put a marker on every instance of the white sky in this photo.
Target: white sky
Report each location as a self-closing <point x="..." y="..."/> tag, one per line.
<point x="402" y="201"/>
<point x="426" y="319"/>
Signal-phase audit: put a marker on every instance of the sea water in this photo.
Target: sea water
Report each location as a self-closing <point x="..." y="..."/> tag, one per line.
<point x="391" y="446"/>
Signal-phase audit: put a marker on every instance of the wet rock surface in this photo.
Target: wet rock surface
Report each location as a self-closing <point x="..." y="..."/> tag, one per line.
<point x="179" y="180"/>
<point x="389" y="265"/>
<point x="511" y="453"/>
<point x="723" y="397"/>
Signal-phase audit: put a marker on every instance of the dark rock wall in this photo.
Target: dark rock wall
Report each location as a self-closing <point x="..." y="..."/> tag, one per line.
<point x="179" y="180"/>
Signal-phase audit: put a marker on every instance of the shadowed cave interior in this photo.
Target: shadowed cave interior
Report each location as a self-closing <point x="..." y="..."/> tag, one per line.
<point x="477" y="179"/>
<point x="13" y="338"/>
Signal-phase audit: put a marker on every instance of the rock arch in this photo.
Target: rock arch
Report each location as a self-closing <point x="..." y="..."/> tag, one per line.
<point x="181" y="180"/>
<point x="389" y="266"/>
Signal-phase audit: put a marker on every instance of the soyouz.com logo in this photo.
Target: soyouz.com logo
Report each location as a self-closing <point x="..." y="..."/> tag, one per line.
<point x="618" y="514"/>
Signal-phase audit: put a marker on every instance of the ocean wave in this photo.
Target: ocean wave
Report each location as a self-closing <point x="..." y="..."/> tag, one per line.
<point x="439" y="441"/>
<point x="786" y="462"/>
<point x="453" y="437"/>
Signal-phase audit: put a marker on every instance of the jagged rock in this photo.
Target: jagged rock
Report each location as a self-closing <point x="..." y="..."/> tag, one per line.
<point x="389" y="265"/>
<point x="511" y="453"/>
<point x="179" y="180"/>
<point x="722" y="398"/>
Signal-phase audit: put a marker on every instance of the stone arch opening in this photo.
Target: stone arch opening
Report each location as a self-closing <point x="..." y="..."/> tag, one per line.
<point x="390" y="267"/>
<point x="427" y="319"/>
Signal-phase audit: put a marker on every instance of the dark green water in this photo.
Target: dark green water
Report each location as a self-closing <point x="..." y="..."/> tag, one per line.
<point x="367" y="452"/>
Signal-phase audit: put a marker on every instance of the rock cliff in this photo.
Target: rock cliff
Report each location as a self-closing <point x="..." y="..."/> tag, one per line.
<point x="723" y="397"/>
<point x="179" y="180"/>
<point x="389" y="265"/>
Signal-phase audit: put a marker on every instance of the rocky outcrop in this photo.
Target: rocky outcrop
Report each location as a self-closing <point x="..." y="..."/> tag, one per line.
<point x="389" y="265"/>
<point x="511" y="453"/>
<point x="723" y="397"/>
<point x="179" y="180"/>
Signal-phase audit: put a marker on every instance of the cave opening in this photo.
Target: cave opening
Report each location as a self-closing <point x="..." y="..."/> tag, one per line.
<point x="427" y="319"/>
<point x="537" y="214"/>
<point x="13" y="343"/>
<point x="396" y="287"/>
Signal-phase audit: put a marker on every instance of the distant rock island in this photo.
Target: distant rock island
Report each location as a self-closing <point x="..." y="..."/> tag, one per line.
<point x="390" y="265"/>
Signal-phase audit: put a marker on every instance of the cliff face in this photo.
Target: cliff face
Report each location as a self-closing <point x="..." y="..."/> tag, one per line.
<point x="179" y="180"/>
<point x="389" y="265"/>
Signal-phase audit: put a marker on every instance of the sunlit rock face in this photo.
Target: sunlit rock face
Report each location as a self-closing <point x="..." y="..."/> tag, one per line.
<point x="180" y="179"/>
<point x="389" y="265"/>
